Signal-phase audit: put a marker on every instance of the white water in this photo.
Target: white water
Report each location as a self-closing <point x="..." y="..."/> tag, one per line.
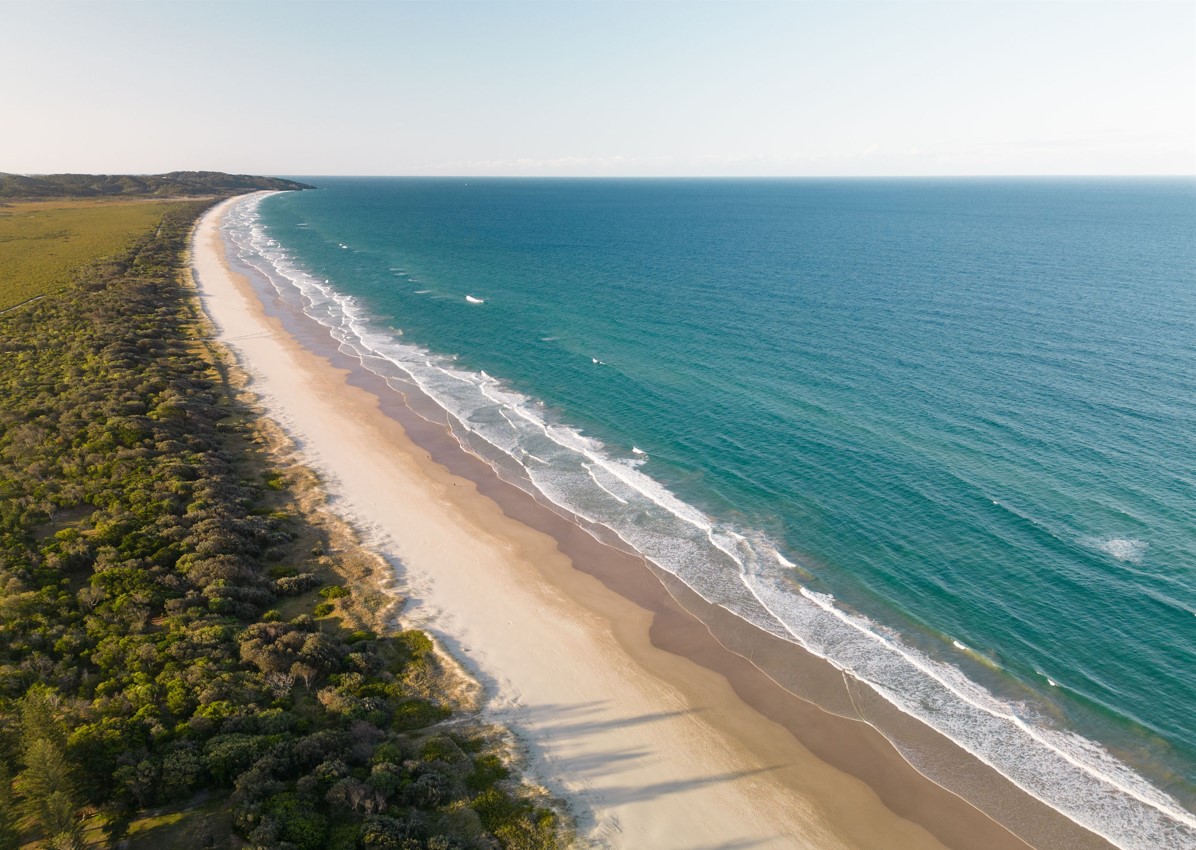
<point x="745" y="574"/>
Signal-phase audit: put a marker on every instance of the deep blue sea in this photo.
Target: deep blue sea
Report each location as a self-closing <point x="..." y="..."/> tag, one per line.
<point x="942" y="432"/>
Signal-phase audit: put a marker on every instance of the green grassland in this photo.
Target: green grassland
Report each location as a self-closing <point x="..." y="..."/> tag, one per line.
<point x="43" y="244"/>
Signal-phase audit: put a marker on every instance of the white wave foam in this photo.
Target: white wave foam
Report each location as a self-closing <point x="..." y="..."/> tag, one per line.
<point x="1124" y="549"/>
<point x="742" y="573"/>
<point x="782" y="560"/>
<point x="615" y="496"/>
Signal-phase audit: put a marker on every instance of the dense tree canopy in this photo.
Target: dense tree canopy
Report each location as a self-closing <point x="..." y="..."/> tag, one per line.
<point x="167" y="629"/>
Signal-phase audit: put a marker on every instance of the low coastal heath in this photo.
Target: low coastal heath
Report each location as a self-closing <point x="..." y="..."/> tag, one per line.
<point x="729" y="564"/>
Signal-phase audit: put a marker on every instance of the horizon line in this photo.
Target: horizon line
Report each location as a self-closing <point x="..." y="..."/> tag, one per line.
<point x="1132" y="176"/>
<point x="958" y="176"/>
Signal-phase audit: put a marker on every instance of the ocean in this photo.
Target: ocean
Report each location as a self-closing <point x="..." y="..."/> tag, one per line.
<point x="939" y="432"/>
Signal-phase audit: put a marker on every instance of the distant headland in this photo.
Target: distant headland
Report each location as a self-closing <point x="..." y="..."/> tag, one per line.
<point x="171" y="185"/>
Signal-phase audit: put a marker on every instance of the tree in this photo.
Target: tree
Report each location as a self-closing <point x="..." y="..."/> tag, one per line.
<point x="41" y="716"/>
<point x="10" y="835"/>
<point x="49" y="796"/>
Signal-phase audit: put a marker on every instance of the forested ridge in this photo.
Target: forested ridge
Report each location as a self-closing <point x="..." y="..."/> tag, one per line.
<point x="175" y="633"/>
<point x="174" y="184"/>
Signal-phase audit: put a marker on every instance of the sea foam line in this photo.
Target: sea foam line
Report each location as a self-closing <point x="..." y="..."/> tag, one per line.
<point x="1116" y="774"/>
<point x="1062" y="769"/>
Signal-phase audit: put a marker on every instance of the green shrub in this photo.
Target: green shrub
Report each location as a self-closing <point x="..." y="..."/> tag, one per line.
<point x="226" y="756"/>
<point x="275" y="480"/>
<point x="487" y="770"/>
<point x="441" y="748"/>
<point x="417" y="714"/>
<point x="302" y="826"/>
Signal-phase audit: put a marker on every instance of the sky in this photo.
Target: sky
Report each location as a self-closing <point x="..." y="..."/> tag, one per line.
<point x="668" y="88"/>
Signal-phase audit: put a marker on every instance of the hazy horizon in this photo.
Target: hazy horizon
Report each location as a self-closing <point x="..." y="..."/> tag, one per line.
<point x="631" y="89"/>
<point x="643" y="177"/>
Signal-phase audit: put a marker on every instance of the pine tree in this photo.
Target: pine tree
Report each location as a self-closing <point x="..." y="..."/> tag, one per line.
<point x="10" y="834"/>
<point x="48" y="795"/>
<point x="41" y="716"/>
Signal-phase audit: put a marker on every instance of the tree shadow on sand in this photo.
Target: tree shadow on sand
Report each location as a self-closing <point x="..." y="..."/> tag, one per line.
<point x="556" y="733"/>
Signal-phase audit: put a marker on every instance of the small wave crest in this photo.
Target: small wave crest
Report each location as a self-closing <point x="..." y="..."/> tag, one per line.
<point x="1126" y="549"/>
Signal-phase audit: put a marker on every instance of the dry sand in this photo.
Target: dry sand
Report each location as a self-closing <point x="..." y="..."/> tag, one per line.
<point x="648" y="748"/>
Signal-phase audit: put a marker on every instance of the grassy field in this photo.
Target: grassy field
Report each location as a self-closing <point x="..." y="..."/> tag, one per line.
<point x="43" y="243"/>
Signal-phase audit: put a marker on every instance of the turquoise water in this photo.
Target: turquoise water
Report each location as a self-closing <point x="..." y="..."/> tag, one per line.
<point x="964" y="411"/>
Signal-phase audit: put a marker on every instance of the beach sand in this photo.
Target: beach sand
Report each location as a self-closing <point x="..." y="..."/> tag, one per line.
<point x="627" y="707"/>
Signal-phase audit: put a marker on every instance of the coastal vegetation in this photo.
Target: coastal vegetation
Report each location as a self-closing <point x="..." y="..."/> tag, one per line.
<point x="174" y="184"/>
<point x="42" y="243"/>
<point x="190" y="649"/>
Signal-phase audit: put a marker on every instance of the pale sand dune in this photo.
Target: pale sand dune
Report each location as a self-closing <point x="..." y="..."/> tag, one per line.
<point x="651" y="750"/>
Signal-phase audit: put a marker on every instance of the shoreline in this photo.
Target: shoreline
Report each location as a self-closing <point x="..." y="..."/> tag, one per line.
<point x="715" y="750"/>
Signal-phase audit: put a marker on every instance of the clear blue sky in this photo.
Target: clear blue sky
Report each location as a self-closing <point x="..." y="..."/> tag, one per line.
<point x="640" y="88"/>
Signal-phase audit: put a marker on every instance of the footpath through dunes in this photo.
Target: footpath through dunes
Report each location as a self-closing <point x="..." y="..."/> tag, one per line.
<point x="665" y="750"/>
<point x="193" y="653"/>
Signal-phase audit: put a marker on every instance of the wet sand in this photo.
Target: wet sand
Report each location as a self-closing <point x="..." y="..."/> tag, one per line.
<point x="635" y="700"/>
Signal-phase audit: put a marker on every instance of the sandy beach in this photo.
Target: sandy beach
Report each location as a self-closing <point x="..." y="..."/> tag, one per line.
<point x="630" y="709"/>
